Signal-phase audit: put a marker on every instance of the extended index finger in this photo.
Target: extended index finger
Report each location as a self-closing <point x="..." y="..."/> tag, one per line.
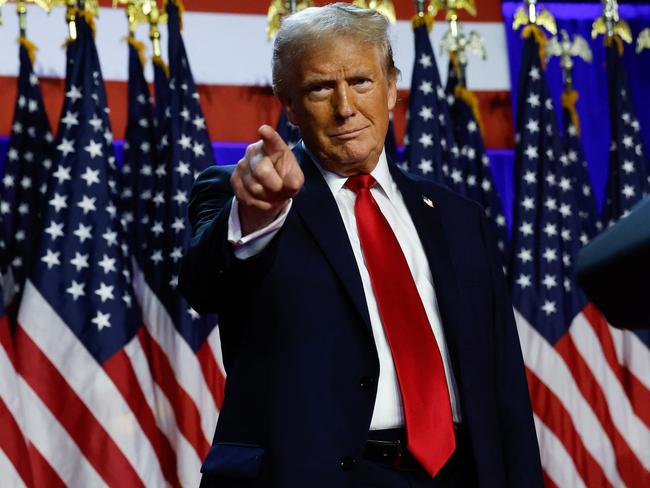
<point x="272" y="141"/>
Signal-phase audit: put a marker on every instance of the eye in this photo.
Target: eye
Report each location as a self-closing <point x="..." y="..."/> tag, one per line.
<point x="362" y="82"/>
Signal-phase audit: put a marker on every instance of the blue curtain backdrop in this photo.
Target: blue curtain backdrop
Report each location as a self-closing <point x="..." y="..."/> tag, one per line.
<point x="590" y="80"/>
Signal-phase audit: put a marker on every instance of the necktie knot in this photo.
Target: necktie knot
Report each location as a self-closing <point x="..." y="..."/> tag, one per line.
<point x="360" y="182"/>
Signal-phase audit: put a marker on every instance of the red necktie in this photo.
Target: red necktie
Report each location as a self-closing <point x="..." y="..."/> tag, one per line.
<point x="421" y="374"/>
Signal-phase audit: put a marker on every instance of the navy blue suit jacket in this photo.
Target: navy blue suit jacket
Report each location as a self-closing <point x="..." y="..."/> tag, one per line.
<point x="301" y="362"/>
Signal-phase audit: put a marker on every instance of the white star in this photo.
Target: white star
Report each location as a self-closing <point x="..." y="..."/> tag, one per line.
<point x="161" y="170"/>
<point x="79" y="261"/>
<point x="110" y="237"/>
<point x="23" y="209"/>
<point x="549" y="307"/>
<point x="550" y="229"/>
<point x="178" y="225"/>
<point x="528" y="203"/>
<point x="8" y="181"/>
<point x="176" y="254"/>
<point x="174" y="281"/>
<point x="62" y="173"/>
<point x="523" y="281"/>
<point x="59" y="201"/>
<point x="193" y="313"/>
<point x="628" y="191"/>
<point x="108" y="264"/>
<point x="51" y="258"/>
<point x="87" y="204"/>
<point x="180" y="197"/>
<point x="565" y="210"/>
<point x="532" y="126"/>
<point x="198" y="149"/>
<point x="628" y="167"/>
<point x="534" y="73"/>
<point x="183" y="168"/>
<point x="627" y="141"/>
<point x="76" y="290"/>
<point x="74" y="94"/>
<point x="83" y="232"/>
<point x="531" y="152"/>
<point x="55" y="230"/>
<point x="426" y="166"/>
<point x="70" y="119"/>
<point x="199" y="122"/>
<point x="105" y="292"/>
<point x="101" y="320"/>
<point x="185" y="142"/>
<point x="94" y="149"/>
<point x="426" y="113"/>
<point x="185" y="114"/>
<point x="111" y="210"/>
<point x="472" y="126"/>
<point x="533" y="100"/>
<point x="96" y="123"/>
<point x="550" y="254"/>
<point x="551" y="203"/>
<point x="525" y="255"/>
<point x="456" y="176"/>
<point x="426" y="139"/>
<point x="156" y="257"/>
<point x="486" y="185"/>
<point x="65" y="147"/>
<point x="530" y="177"/>
<point x="90" y="176"/>
<point x="426" y="87"/>
<point x="127" y="299"/>
<point x="526" y="229"/>
<point x="425" y="61"/>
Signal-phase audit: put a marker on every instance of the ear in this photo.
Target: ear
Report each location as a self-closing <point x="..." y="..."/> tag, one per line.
<point x="289" y="109"/>
<point x="392" y="92"/>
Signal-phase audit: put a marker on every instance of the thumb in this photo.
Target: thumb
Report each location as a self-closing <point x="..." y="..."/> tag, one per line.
<point x="271" y="140"/>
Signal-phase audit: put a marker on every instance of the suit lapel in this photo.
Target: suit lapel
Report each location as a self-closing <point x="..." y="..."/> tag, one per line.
<point x="426" y="215"/>
<point x="316" y="206"/>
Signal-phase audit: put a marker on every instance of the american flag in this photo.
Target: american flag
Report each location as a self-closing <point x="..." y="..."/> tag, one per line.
<point x="591" y="430"/>
<point x="28" y="163"/>
<point x="576" y="164"/>
<point x="472" y="176"/>
<point x="84" y="383"/>
<point x="429" y="142"/>
<point x="182" y="348"/>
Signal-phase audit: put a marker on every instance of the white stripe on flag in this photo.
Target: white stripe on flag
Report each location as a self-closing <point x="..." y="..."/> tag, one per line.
<point x="182" y="359"/>
<point x="556" y="461"/>
<point x="54" y="443"/>
<point x="89" y="381"/>
<point x="551" y="369"/>
<point x="633" y="354"/>
<point x="214" y="339"/>
<point x="9" y="388"/>
<point x="9" y="477"/>
<point x="187" y="462"/>
<point x="635" y="433"/>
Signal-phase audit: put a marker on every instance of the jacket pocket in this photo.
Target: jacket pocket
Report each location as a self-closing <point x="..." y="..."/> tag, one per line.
<point x="233" y="460"/>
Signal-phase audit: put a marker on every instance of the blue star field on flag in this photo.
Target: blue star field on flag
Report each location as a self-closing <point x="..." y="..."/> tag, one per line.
<point x="290" y="133"/>
<point x="188" y="151"/>
<point x="545" y="233"/>
<point x="26" y="170"/>
<point x="82" y="267"/>
<point x="429" y="143"/>
<point x="577" y="168"/>
<point x="627" y="182"/>
<point x="140" y="156"/>
<point x="472" y="176"/>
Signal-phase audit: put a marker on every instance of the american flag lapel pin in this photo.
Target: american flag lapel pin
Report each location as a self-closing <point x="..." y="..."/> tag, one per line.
<point x="427" y="201"/>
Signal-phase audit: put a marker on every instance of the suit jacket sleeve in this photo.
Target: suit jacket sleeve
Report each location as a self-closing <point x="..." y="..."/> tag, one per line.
<point x="212" y="277"/>
<point x="520" y="447"/>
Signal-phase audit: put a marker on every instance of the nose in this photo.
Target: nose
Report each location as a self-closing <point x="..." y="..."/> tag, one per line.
<point x="344" y="101"/>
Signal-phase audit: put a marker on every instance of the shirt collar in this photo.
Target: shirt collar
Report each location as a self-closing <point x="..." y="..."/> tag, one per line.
<point x="335" y="182"/>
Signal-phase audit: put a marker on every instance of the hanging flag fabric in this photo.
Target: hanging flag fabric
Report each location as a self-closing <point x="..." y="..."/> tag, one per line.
<point x="577" y="168"/>
<point x="429" y="147"/>
<point x="84" y="381"/>
<point x="26" y="170"/>
<point x="592" y="432"/>
<point x="472" y="176"/>
<point x="183" y="347"/>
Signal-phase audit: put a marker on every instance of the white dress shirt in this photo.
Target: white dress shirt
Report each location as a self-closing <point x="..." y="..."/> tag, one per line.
<point x="388" y="412"/>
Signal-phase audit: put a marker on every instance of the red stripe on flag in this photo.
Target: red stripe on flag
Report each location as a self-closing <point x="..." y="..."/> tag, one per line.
<point x="487" y="11"/>
<point x="96" y="444"/>
<point x="549" y="409"/>
<point x="212" y="373"/>
<point x="5" y="339"/>
<point x="629" y="467"/>
<point x="12" y="443"/>
<point x="120" y="370"/>
<point x="548" y="482"/>
<point x="188" y="417"/>
<point x="637" y="392"/>
<point x="44" y="474"/>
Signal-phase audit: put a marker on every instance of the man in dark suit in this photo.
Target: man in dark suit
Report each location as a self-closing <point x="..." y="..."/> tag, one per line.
<point x="366" y="329"/>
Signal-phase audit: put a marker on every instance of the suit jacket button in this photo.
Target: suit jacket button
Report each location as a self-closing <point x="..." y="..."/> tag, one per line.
<point x="366" y="382"/>
<point x="348" y="463"/>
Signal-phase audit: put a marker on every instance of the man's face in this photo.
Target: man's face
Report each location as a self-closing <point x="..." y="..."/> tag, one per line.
<point x="340" y="98"/>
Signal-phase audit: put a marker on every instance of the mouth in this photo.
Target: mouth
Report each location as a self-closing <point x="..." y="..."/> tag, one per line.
<point x="349" y="134"/>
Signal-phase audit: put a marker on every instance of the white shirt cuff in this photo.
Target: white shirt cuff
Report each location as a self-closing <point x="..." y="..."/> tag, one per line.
<point x="255" y="242"/>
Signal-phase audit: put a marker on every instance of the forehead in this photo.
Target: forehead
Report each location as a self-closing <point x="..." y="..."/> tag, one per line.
<point x="340" y="54"/>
